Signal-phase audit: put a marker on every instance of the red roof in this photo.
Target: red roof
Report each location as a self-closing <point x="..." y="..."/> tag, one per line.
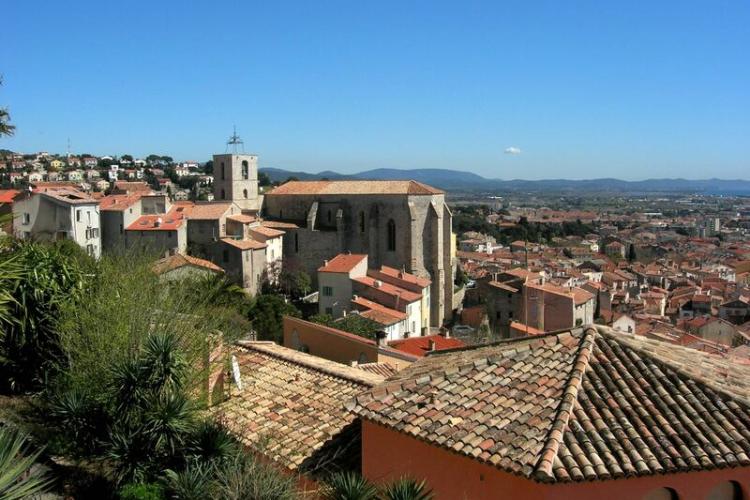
<point x="387" y="288"/>
<point x="342" y="263"/>
<point x="7" y="195"/>
<point x="118" y="202"/>
<point x="420" y="346"/>
<point x="170" y="221"/>
<point x="404" y="276"/>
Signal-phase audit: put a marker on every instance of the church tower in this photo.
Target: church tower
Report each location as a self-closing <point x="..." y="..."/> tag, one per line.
<point x="236" y="179"/>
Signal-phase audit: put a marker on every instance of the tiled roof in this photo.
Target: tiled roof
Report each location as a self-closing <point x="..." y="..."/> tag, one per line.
<point x="389" y="289"/>
<point x="170" y="221"/>
<point x="342" y="263"/>
<point x="420" y="346"/>
<point x="209" y="210"/>
<point x="378" y="312"/>
<point x="179" y="260"/>
<point x="400" y="275"/>
<point x="7" y="195"/>
<point x="267" y="232"/>
<point x="132" y="186"/>
<point x="244" y="244"/>
<point x="353" y="187"/>
<point x="118" y="202"/>
<point x="580" y="405"/>
<point x="279" y="224"/>
<point x="385" y="370"/>
<point x="70" y="196"/>
<point x="242" y="218"/>
<point x="291" y="406"/>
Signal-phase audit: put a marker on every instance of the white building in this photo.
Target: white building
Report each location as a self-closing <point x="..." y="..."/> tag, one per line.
<point x="59" y="213"/>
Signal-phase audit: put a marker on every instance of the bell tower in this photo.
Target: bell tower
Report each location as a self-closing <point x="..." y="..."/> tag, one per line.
<point x="236" y="176"/>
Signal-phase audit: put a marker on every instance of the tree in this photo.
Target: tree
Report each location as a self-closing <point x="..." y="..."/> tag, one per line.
<point x="267" y="314"/>
<point x="296" y="283"/>
<point x="5" y="127"/>
<point x="263" y="179"/>
<point x="631" y="254"/>
<point x="352" y="323"/>
<point x="208" y="167"/>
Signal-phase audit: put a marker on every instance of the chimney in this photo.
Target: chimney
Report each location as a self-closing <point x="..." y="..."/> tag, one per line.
<point x="325" y="263"/>
<point x="380" y="337"/>
<point x="444" y="332"/>
<point x="378" y="284"/>
<point x="157" y="222"/>
<point x="432" y="345"/>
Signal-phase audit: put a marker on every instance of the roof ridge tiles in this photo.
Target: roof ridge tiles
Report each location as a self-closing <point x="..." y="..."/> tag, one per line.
<point x="543" y="469"/>
<point x="343" y="372"/>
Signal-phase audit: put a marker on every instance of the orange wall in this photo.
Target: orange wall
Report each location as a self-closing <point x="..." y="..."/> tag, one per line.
<point x="325" y="342"/>
<point x="388" y="455"/>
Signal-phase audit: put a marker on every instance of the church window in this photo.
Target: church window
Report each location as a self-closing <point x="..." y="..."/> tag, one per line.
<point x="361" y="222"/>
<point x="223" y="170"/>
<point x="245" y="171"/>
<point x="391" y="235"/>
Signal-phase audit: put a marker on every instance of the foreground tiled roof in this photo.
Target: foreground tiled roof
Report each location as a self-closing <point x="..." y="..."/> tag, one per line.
<point x="420" y="346"/>
<point x="353" y="187"/>
<point x="581" y="405"/>
<point x="292" y="406"/>
<point x="342" y="263"/>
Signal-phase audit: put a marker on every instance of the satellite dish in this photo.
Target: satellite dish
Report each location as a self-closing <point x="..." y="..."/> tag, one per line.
<point x="236" y="372"/>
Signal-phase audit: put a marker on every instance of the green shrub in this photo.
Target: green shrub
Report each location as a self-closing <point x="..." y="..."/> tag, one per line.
<point x="349" y="486"/>
<point x="141" y="491"/>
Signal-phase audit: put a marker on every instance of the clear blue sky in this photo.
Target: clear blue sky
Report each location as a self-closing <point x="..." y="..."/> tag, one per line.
<point x="630" y="89"/>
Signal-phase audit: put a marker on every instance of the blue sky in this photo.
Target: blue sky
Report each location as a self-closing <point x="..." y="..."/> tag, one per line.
<point x="583" y="89"/>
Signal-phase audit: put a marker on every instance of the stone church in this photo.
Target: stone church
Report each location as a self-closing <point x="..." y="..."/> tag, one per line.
<point x="403" y="224"/>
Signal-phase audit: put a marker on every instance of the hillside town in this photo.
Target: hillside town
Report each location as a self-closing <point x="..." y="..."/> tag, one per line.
<point x="500" y="343"/>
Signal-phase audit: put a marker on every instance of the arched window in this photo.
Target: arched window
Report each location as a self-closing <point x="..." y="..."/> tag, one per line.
<point x="223" y="171"/>
<point x="661" y="494"/>
<point x="244" y="192"/>
<point x="727" y="490"/>
<point x="223" y="195"/>
<point x="361" y="222"/>
<point x="245" y="171"/>
<point x="391" y="235"/>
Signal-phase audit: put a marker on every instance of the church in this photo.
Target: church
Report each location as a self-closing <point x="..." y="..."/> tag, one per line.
<point x="401" y="224"/>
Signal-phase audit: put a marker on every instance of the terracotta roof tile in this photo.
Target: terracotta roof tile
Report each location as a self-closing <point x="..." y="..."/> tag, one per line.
<point x="296" y="401"/>
<point x="580" y="405"/>
<point x="179" y="260"/>
<point x="209" y="210"/>
<point x="244" y="244"/>
<point x="342" y="263"/>
<point x="420" y="346"/>
<point x="354" y="187"/>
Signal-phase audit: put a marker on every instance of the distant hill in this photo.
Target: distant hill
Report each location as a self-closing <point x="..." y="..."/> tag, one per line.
<point x="456" y="180"/>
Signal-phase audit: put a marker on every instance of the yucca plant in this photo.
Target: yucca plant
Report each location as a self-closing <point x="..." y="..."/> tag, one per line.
<point x="211" y="442"/>
<point x="80" y="417"/>
<point x="244" y="478"/>
<point x="349" y="486"/>
<point x="194" y="482"/>
<point x="17" y="479"/>
<point x="406" y="489"/>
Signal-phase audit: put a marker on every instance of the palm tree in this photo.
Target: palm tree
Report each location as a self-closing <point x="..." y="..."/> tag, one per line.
<point x="17" y="479"/>
<point x="5" y="127"/>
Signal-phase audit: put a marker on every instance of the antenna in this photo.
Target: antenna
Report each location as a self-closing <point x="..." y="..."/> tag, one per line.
<point x="235" y="141"/>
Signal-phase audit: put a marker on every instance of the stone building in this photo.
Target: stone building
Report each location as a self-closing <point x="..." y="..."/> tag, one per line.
<point x="402" y="224"/>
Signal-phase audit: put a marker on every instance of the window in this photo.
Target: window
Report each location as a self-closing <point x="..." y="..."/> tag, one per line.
<point x="327" y="291"/>
<point x="245" y="171"/>
<point x="362" y="359"/>
<point x="121" y="229"/>
<point x="329" y="216"/>
<point x="244" y="193"/>
<point x="361" y="222"/>
<point x="223" y="195"/>
<point x="329" y="311"/>
<point x="26" y="218"/>
<point x="296" y="344"/>
<point x="391" y="235"/>
<point x="88" y="216"/>
<point x="223" y="170"/>
<point x="78" y="216"/>
<point x="281" y="214"/>
<point x="226" y="255"/>
<point x="296" y="243"/>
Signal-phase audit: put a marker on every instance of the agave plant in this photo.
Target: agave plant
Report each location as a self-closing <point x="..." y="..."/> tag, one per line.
<point x="349" y="486"/>
<point x="406" y="489"/>
<point x="17" y="478"/>
<point x="244" y="478"/>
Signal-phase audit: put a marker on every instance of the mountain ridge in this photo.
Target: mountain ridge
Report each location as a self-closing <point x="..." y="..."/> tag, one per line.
<point x="457" y="180"/>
